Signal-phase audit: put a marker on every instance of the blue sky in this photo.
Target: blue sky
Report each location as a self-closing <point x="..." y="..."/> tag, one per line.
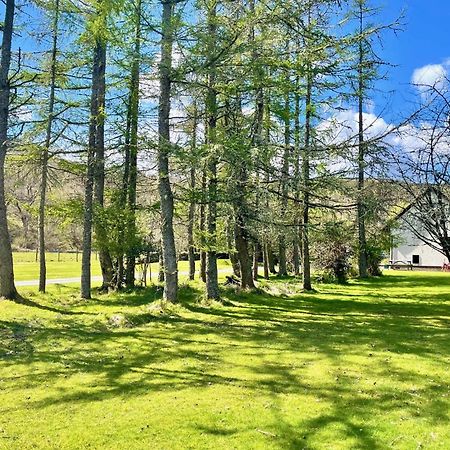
<point x="425" y="41"/>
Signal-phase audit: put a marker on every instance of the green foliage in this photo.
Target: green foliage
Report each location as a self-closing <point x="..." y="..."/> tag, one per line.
<point x="120" y="237"/>
<point x="332" y="250"/>
<point x="67" y="212"/>
<point x="377" y="249"/>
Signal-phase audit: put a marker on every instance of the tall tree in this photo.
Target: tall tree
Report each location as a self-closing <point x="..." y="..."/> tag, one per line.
<point x="46" y="147"/>
<point x="282" y="261"/>
<point x="202" y="227"/>
<point x="132" y="142"/>
<point x="192" y="203"/>
<point x="306" y="157"/>
<point x="297" y="179"/>
<point x="7" y="286"/>
<point x="212" y="283"/>
<point x="164" y="149"/>
<point x="367" y="72"/>
<point x="361" y="209"/>
<point x="95" y="172"/>
<point x="99" y="171"/>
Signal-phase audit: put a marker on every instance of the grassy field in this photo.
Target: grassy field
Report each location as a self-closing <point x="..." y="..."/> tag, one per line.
<point x="361" y="366"/>
<point x="65" y="265"/>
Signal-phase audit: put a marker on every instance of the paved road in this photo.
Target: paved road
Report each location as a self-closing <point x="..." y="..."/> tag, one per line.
<point x="77" y="279"/>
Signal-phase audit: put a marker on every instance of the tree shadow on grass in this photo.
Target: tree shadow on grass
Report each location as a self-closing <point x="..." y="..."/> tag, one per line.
<point x="33" y="304"/>
<point x="135" y="361"/>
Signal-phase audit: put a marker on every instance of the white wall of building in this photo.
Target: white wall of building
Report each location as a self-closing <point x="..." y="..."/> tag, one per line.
<point x="411" y="245"/>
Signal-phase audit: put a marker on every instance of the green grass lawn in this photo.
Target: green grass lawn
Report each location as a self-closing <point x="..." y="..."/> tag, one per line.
<point x="362" y="366"/>
<point x="65" y="265"/>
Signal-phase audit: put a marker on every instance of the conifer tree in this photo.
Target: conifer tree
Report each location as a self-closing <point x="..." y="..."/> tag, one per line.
<point x="7" y="286"/>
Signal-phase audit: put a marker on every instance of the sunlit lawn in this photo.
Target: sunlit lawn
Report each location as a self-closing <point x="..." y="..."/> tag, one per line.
<point x="362" y="366"/>
<point x="65" y="265"/>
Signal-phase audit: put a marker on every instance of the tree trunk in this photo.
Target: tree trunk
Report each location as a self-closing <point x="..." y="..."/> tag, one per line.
<point x="133" y="146"/>
<point x="165" y="189"/>
<point x="296" y="253"/>
<point x="282" y="264"/>
<point x="99" y="176"/>
<point x="202" y="227"/>
<point x="191" y="216"/>
<point x="45" y="153"/>
<point x="120" y="270"/>
<point x="297" y="227"/>
<point x="161" y="264"/>
<point x="256" y="253"/>
<point x="259" y="125"/>
<point x="191" y="221"/>
<point x="7" y="287"/>
<point x="212" y="281"/>
<point x="240" y="230"/>
<point x="266" y="261"/>
<point x="271" y="259"/>
<point x="245" y="262"/>
<point x="90" y="176"/>
<point x="306" y="265"/>
<point x="361" y="210"/>
<point x="231" y="250"/>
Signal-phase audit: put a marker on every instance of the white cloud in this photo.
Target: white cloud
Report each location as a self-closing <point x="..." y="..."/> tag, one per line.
<point x="343" y="127"/>
<point x="410" y="141"/>
<point x="23" y="114"/>
<point x="149" y="82"/>
<point x="431" y="76"/>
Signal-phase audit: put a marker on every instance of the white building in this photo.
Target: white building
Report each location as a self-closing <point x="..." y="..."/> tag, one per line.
<point x="408" y="249"/>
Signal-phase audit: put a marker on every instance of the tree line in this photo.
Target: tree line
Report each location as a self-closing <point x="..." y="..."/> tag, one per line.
<point x="199" y="126"/>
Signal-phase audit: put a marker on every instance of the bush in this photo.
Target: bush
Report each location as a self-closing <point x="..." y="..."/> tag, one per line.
<point x="375" y="255"/>
<point x="333" y="251"/>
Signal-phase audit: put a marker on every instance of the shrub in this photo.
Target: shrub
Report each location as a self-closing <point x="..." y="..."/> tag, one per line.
<point x="332" y="251"/>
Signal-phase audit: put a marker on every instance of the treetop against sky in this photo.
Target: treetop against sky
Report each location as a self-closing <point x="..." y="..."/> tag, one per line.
<point x="418" y="53"/>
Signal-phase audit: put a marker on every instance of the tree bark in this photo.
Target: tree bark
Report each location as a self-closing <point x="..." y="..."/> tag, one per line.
<point x="99" y="174"/>
<point x="165" y="189"/>
<point x="212" y="281"/>
<point x="256" y="253"/>
<point x="191" y="220"/>
<point x="133" y="145"/>
<point x="45" y="152"/>
<point x="202" y="226"/>
<point x="90" y="176"/>
<point x="231" y="244"/>
<point x="282" y="265"/>
<point x="245" y="262"/>
<point x="297" y="227"/>
<point x="160" y="264"/>
<point x="361" y="210"/>
<point x="7" y="287"/>
<point x="266" y="261"/>
<point x="271" y="259"/>
<point x="306" y="264"/>
<point x="191" y="215"/>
